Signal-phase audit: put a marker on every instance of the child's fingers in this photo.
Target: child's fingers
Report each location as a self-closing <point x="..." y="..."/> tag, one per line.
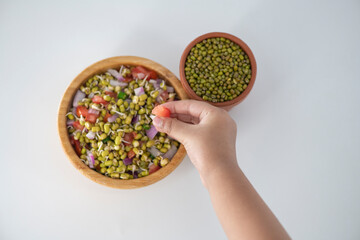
<point x="173" y="127"/>
<point x="194" y="108"/>
<point x="185" y="118"/>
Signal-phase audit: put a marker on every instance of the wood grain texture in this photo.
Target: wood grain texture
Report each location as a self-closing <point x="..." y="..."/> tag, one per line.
<point x="100" y="67"/>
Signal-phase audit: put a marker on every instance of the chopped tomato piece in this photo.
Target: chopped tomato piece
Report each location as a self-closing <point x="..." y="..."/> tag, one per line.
<point x="78" y="126"/>
<point x="161" y="111"/>
<point x="107" y="116"/>
<point x="98" y="99"/>
<point x="98" y="168"/>
<point x="111" y="94"/>
<point x="153" y="168"/>
<point x="76" y="144"/>
<point x="128" y="137"/>
<point x="91" y="117"/>
<point x="81" y="110"/>
<point x="131" y="154"/>
<point x="77" y="147"/>
<point x="128" y="79"/>
<point x="152" y="75"/>
<point x="139" y="72"/>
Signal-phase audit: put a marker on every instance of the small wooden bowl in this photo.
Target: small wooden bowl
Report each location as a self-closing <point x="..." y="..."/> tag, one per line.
<point x="100" y="67"/>
<point x="228" y="104"/>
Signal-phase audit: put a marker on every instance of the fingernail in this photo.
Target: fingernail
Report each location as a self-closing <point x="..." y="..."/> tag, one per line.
<point x="158" y="122"/>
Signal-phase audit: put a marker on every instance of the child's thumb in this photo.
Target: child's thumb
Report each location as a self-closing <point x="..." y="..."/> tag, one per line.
<point x="173" y="127"/>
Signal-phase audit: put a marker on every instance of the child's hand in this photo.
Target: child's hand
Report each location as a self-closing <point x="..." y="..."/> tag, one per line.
<point x="207" y="132"/>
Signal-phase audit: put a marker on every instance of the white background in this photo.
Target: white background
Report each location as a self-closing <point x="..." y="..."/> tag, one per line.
<point x="298" y="131"/>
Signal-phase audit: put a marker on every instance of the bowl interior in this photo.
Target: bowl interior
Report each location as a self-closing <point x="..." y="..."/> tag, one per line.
<point x="100" y="67"/>
<point x="243" y="45"/>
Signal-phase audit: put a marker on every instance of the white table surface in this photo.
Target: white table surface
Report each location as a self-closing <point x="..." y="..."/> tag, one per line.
<point x="298" y="131"/>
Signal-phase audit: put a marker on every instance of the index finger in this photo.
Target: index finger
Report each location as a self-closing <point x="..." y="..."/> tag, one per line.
<point x="197" y="109"/>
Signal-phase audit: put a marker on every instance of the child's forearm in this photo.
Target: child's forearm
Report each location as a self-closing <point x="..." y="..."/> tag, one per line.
<point x="241" y="211"/>
<point x="210" y="143"/>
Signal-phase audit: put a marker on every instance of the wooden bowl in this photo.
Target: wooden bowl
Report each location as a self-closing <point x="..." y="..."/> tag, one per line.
<point x="228" y="104"/>
<point x="100" y="67"/>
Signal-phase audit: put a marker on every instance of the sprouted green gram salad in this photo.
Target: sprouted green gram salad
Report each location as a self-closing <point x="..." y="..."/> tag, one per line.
<point x="110" y="123"/>
<point x="217" y="69"/>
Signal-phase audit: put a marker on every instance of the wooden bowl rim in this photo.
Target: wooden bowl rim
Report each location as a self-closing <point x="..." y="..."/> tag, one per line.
<point x="96" y="68"/>
<point x="233" y="38"/>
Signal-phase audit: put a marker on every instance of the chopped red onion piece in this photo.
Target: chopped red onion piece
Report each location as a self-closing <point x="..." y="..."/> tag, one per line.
<point x="154" y="151"/>
<point x="127" y="161"/>
<point x="114" y="82"/>
<point x="164" y="95"/>
<point x="91" y="159"/>
<point x="170" y="89"/>
<point x="151" y="132"/>
<point x="114" y="73"/>
<point x="159" y="99"/>
<point x="117" y="83"/>
<point x="78" y="97"/>
<point x="90" y="135"/>
<point x="74" y="111"/>
<point x="171" y="152"/>
<point x="135" y="119"/>
<point x="91" y="95"/>
<point x="141" y="75"/>
<point x="156" y="85"/>
<point x="69" y="122"/>
<point x="93" y="111"/>
<point x="113" y="118"/>
<point x="152" y="81"/>
<point x="139" y="91"/>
